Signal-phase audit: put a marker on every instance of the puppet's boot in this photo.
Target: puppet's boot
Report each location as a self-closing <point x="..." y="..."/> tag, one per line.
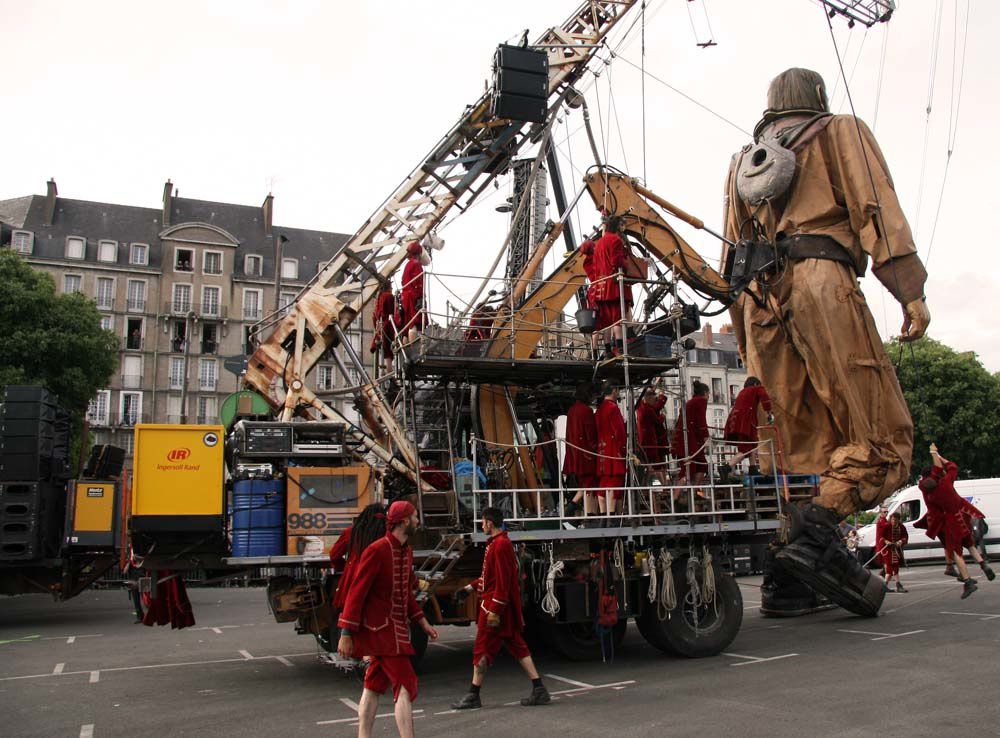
<point x="817" y="556"/>
<point x="783" y="596"/>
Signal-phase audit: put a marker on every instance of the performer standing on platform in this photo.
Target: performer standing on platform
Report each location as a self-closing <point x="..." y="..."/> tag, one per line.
<point x="580" y="459"/>
<point x="414" y="318"/>
<point x="612" y="440"/>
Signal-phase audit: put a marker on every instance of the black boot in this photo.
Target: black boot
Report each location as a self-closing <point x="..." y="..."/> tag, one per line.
<point x="987" y="571"/>
<point x="901" y="588"/>
<point x="470" y="701"/>
<point x="969" y="588"/>
<point x="817" y="556"/>
<point x="783" y="596"/>
<point x="950" y="571"/>
<point x="539" y="696"/>
<point x="572" y="509"/>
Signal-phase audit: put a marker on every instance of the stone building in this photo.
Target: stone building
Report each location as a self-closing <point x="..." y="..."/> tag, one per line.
<point x="181" y="285"/>
<point x="715" y="360"/>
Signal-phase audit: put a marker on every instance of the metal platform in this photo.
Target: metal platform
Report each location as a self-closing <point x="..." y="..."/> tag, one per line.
<point x="638" y="531"/>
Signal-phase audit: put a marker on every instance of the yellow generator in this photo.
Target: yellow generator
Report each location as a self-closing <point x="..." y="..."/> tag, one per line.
<point x="92" y="514"/>
<point x="178" y="492"/>
<point x="322" y="502"/>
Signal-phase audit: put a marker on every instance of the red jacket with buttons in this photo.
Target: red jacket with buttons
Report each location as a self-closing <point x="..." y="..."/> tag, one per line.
<point x="500" y="587"/>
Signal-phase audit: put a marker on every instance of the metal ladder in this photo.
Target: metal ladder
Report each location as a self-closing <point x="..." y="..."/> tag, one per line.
<point x="436" y="564"/>
<point x="428" y="424"/>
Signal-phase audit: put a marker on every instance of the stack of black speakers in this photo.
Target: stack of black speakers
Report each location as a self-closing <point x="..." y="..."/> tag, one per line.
<point x="34" y="468"/>
<point x="521" y="84"/>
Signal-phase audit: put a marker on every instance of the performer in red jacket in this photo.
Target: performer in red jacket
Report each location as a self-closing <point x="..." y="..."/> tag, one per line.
<point x="590" y="269"/>
<point x="893" y="537"/>
<point x="580" y="461"/>
<point x="612" y="439"/>
<point x="741" y="425"/>
<point x="413" y="290"/>
<point x="610" y="256"/>
<point x="384" y="318"/>
<point x="947" y="518"/>
<point x="501" y="620"/>
<point x="364" y="530"/>
<point x="695" y="410"/>
<point x="651" y="431"/>
<point x="376" y="620"/>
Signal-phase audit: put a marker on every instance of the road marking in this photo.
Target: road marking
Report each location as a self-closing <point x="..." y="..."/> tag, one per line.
<point x="882" y="636"/>
<point x="577" y="690"/>
<point x="70" y="639"/>
<point x="757" y="659"/>
<point x="154" y="666"/>
<point x="355" y="719"/>
<point x="246" y="655"/>
<point x="25" y="639"/>
<point x="452" y="712"/>
<point x="283" y="660"/>
<point x="351" y="703"/>
<point x="87" y="731"/>
<point x="569" y="681"/>
<point x="218" y="631"/>
<point x="59" y="668"/>
<point x="443" y="645"/>
<point x="95" y="677"/>
<point x="980" y="615"/>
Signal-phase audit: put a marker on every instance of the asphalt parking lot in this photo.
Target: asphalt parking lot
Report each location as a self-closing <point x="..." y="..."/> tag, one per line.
<point x="925" y="667"/>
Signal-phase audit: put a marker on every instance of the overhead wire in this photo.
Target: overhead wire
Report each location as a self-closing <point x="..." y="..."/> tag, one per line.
<point x="938" y="13"/>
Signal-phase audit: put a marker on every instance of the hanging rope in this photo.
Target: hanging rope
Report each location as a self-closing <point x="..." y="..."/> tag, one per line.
<point x="550" y="603"/>
<point x="667" y="595"/>
<point x="708" y="577"/>
<point x="932" y="75"/>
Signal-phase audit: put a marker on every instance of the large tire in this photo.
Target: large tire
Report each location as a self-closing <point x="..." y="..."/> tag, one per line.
<point x="579" y="641"/>
<point x="718" y="623"/>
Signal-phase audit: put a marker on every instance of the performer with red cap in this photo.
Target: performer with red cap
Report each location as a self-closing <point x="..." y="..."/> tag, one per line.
<point x="413" y="290"/>
<point x="612" y="439"/>
<point x="501" y="620"/>
<point x="892" y="535"/>
<point x="590" y="269"/>
<point x="606" y="294"/>
<point x="741" y="425"/>
<point x="947" y="518"/>
<point x="580" y="460"/>
<point x="385" y="324"/>
<point x="376" y="620"/>
<point x="651" y="430"/>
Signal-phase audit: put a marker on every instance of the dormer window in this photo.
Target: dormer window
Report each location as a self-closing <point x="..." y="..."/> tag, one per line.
<point x="289" y="269"/>
<point x="75" y="247"/>
<point x="107" y="251"/>
<point x="22" y="242"/>
<point x="253" y="265"/>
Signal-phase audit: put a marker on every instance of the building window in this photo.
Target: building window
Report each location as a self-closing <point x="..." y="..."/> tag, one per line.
<point x="75" y="247"/>
<point x="207" y="410"/>
<point x="212" y="262"/>
<point x="107" y="251"/>
<point x="139" y="254"/>
<point x="285" y="299"/>
<point x="127" y="441"/>
<point x="734" y="390"/>
<point x="131" y="408"/>
<point x="72" y="283"/>
<point x="133" y="334"/>
<point x="209" y="341"/>
<point x="253" y="265"/>
<point x="136" y="296"/>
<point x="181" y="304"/>
<point x="22" y="242"/>
<point x="717" y="396"/>
<point x="183" y="260"/>
<point x="714" y="356"/>
<point x="210" y="297"/>
<point x="107" y="322"/>
<point x="251" y="305"/>
<point x="176" y="374"/>
<point x="178" y="343"/>
<point x="324" y="377"/>
<point x="97" y="410"/>
<point x="105" y="293"/>
<point x="289" y="269"/>
<point x="132" y="372"/>
<point x="207" y="375"/>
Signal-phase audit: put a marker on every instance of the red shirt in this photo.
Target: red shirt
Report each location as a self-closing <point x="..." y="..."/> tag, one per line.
<point x="381" y="600"/>
<point x="697" y="428"/>
<point x="609" y="258"/>
<point x="385" y="310"/>
<point x="413" y="278"/>
<point x="651" y="429"/>
<point x="742" y="420"/>
<point x="611" y="440"/>
<point x="500" y="586"/>
<point x="581" y="432"/>
<point x="340" y="562"/>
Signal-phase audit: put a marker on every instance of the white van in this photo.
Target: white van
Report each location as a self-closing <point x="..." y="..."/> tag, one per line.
<point x="909" y="503"/>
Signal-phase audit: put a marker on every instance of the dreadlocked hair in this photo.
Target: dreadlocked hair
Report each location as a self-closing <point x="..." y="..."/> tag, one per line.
<point x="367" y="528"/>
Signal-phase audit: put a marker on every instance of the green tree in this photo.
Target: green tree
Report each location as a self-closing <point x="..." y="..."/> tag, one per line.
<point x="51" y="339"/>
<point x="955" y="402"/>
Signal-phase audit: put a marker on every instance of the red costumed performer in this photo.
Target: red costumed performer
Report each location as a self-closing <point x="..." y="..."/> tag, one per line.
<point x="695" y="411"/>
<point x="612" y="439"/>
<point x="580" y="460"/>
<point x="891" y="537"/>
<point x="384" y="318"/>
<point x="610" y="256"/>
<point x="412" y="297"/>
<point x="741" y="425"/>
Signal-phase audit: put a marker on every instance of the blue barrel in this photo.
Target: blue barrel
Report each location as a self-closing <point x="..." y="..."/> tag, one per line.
<point x="257" y="517"/>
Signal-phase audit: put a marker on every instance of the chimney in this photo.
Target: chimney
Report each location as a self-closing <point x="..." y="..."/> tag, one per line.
<point x="51" y="193"/>
<point x="267" y="210"/>
<point x="707" y="334"/>
<point x="726" y="328"/>
<point x="168" y="189"/>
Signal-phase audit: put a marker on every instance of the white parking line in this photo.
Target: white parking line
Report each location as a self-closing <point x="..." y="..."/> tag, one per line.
<point x="59" y="668"/>
<point x="355" y="718"/>
<point x="580" y="690"/>
<point x="70" y="639"/>
<point x="757" y="659"/>
<point x="283" y="660"/>
<point x="95" y="676"/>
<point x="87" y="731"/>
<point x="569" y="681"/>
<point x="445" y="646"/>
<point x="980" y="615"/>
<point x="246" y="655"/>
<point x="881" y="636"/>
<point x="351" y="704"/>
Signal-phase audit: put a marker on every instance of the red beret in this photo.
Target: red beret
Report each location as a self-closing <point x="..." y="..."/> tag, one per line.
<point x="413" y="248"/>
<point x="399" y="512"/>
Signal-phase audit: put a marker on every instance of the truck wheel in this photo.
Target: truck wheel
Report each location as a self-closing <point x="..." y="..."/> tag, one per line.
<point x="579" y="641"/>
<point x="695" y="635"/>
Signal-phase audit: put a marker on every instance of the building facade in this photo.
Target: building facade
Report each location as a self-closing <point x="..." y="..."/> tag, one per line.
<point x="181" y="286"/>
<point x="715" y="360"/>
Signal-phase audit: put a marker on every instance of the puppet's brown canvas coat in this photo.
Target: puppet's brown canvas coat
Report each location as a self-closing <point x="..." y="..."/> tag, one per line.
<point x="838" y="405"/>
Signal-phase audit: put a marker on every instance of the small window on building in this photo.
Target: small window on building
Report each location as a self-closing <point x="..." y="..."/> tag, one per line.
<point x="131" y="408"/>
<point x="75" y="247"/>
<point x="136" y="296"/>
<point x="207" y="375"/>
<point x="253" y="265"/>
<point x="289" y="269"/>
<point x="207" y="410"/>
<point x="182" y="299"/>
<point x="22" y="242"/>
<point x="105" y="293"/>
<point x="107" y="251"/>
<point x="72" y="283"/>
<point x="183" y="260"/>
<point x="717" y="396"/>
<point x="107" y="322"/>
<point x="714" y="356"/>
<point x="285" y="299"/>
<point x="209" y="338"/>
<point x="176" y="375"/>
<point x="133" y="334"/>
<point x="140" y="254"/>
<point x="251" y="305"/>
<point x="210" y="297"/>
<point x="249" y="340"/>
<point x="324" y="377"/>
<point x="97" y="411"/>
<point x="178" y="343"/>
<point x="213" y="262"/>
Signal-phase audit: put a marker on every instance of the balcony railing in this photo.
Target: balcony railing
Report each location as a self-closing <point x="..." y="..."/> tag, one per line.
<point x="178" y="345"/>
<point x="176" y="383"/>
<point x="207" y="384"/>
<point x="131" y="381"/>
<point x="108" y="304"/>
<point x="133" y="343"/>
<point x="207" y="419"/>
<point x="129" y="418"/>
<point x="252" y="313"/>
<point x="97" y="419"/>
<point x="175" y="419"/>
<point x="177" y="307"/>
<point x="136" y="304"/>
<point x="209" y="347"/>
<point x="212" y="310"/>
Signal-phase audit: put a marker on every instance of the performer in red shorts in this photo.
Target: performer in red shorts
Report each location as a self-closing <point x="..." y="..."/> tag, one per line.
<point x="893" y="537"/>
<point x="580" y="461"/>
<point x="501" y="620"/>
<point x="741" y="425"/>
<point x="612" y="439"/>
<point x="376" y="620"/>
<point x="606" y="294"/>
<point x="384" y="318"/>
<point x="412" y="296"/>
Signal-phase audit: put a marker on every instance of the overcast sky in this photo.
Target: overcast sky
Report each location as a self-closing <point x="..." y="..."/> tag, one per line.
<point x="331" y="104"/>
